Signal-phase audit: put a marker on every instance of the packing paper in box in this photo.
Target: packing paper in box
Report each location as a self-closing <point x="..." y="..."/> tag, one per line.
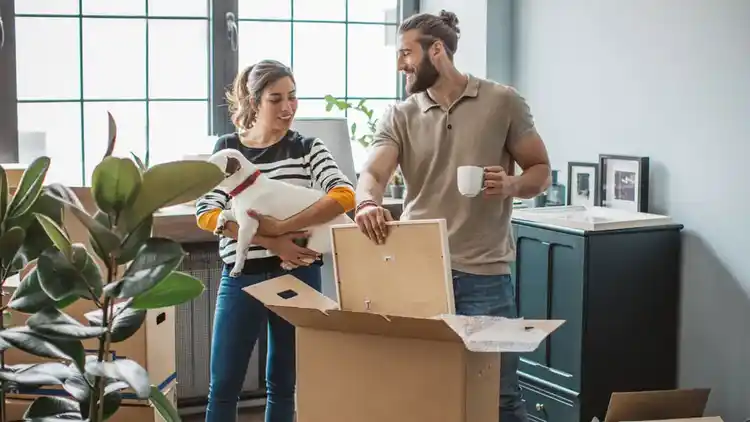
<point x="495" y="334"/>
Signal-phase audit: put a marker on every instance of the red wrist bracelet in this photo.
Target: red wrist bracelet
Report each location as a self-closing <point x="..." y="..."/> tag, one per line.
<point x="364" y="204"/>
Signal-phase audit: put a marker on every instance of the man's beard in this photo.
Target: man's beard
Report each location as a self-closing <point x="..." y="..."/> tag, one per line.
<point x="424" y="78"/>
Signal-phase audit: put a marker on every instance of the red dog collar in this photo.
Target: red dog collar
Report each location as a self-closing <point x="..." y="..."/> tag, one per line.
<point x="245" y="184"/>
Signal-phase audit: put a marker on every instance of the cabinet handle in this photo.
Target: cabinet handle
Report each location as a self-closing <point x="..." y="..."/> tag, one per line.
<point x="545" y="243"/>
<point x="539" y="407"/>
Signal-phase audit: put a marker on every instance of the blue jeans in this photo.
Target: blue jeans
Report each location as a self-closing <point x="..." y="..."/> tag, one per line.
<point x="237" y="323"/>
<point x="494" y="295"/>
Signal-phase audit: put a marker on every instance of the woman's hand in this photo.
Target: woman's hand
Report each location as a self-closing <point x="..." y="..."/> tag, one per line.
<point x="269" y="226"/>
<point x="289" y="251"/>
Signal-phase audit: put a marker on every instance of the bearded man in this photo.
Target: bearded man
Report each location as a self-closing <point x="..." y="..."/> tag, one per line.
<point x="452" y="119"/>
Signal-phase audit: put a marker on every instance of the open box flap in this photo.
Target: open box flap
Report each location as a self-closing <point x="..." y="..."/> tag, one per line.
<point x="497" y="334"/>
<point x="389" y="326"/>
<point x="288" y="291"/>
<point x="640" y="406"/>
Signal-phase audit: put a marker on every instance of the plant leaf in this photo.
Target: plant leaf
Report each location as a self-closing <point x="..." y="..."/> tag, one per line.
<point x="112" y="135"/>
<point x="77" y="387"/>
<point x="125" y="324"/>
<point x="50" y="322"/>
<point x="154" y="262"/>
<point x="29" y="297"/>
<point x="29" y="188"/>
<point x="48" y="373"/>
<point x="60" y="278"/>
<point x="176" y="289"/>
<point x="3" y="193"/>
<point x="91" y="276"/>
<point x="115" y="184"/>
<point x="48" y="408"/>
<point x="57" y="234"/>
<point x="170" y="184"/>
<point x="163" y="406"/>
<point x="134" y="240"/>
<point x="25" y="339"/>
<point x="123" y="370"/>
<point x="36" y="240"/>
<point x="103" y="239"/>
<point x="142" y="167"/>
<point x="10" y="243"/>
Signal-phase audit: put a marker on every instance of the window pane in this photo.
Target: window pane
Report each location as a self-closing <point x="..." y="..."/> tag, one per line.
<point x="131" y="131"/>
<point x="265" y="9"/>
<point x="372" y="62"/>
<point x="323" y="10"/>
<point x="114" y="7"/>
<point x="178" y="8"/>
<point x="171" y="142"/>
<point x="51" y="7"/>
<point x="61" y="124"/>
<point x="316" y="108"/>
<point x="47" y="58"/>
<point x="264" y="40"/>
<point x="373" y="11"/>
<point x="320" y="59"/>
<point x="178" y="72"/>
<point x="114" y="58"/>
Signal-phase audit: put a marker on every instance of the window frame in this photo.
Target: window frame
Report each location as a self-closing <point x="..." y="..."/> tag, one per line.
<point x="223" y="62"/>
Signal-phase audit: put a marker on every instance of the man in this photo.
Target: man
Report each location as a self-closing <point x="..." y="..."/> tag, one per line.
<point x="450" y="120"/>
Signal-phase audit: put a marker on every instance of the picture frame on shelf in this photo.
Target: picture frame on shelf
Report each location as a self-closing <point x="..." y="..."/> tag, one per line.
<point x="583" y="184"/>
<point x="624" y="182"/>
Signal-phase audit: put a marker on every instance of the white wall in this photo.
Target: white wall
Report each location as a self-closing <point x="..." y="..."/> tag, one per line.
<point x="669" y="79"/>
<point x="472" y="46"/>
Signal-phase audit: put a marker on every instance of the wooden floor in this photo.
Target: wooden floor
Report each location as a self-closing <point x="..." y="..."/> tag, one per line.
<point x="245" y="416"/>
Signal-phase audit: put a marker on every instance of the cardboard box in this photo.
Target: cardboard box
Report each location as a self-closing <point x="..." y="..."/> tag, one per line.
<point x="15" y="409"/>
<point x="153" y="346"/>
<point x="372" y="367"/>
<point x="685" y="405"/>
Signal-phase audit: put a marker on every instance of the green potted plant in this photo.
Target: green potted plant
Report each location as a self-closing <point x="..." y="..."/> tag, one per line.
<point x="397" y="185"/>
<point x="120" y="231"/>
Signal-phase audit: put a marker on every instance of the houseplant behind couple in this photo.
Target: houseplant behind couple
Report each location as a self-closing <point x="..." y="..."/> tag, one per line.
<point x="449" y="121"/>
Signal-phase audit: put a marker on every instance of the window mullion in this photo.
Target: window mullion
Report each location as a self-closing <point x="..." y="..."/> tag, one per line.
<point x="225" y="63"/>
<point x="9" y="116"/>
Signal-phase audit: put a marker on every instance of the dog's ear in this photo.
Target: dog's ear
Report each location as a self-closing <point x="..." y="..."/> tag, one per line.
<point x="233" y="165"/>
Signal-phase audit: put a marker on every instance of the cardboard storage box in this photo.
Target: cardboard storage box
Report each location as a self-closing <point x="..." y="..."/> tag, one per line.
<point x="153" y="346"/>
<point x="15" y="409"/>
<point x="368" y="365"/>
<point x="685" y="405"/>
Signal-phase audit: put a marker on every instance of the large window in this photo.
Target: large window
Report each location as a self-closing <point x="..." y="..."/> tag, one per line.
<point x="159" y="67"/>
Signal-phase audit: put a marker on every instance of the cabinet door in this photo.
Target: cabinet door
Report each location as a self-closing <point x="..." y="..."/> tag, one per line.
<point x="548" y="276"/>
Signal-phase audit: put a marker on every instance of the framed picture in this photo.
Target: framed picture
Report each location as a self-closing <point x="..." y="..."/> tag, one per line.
<point x="624" y="182"/>
<point x="583" y="184"/>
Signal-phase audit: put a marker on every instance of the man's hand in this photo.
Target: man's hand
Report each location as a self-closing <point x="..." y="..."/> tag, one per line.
<point x="499" y="183"/>
<point x="268" y="226"/>
<point x="231" y="228"/>
<point x="371" y="220"/>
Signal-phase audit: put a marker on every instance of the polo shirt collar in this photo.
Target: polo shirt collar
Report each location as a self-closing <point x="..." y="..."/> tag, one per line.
<point x="471" y="91"/>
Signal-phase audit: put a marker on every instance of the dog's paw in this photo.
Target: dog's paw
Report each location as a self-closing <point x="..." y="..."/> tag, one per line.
<point x="287" y="266"/>
<point x="235" y="273"/>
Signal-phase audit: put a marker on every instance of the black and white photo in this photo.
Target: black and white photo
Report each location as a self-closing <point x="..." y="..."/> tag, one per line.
<point x="624" y="182"/>
<point x="583" y="185"/>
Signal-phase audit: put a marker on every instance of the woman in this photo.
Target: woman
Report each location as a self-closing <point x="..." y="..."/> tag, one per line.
<point x="263" y="104"/>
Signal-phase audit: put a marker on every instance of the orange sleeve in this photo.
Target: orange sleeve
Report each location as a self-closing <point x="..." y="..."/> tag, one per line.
<point x="207" y="221"/>
<point x="344" y="195"/>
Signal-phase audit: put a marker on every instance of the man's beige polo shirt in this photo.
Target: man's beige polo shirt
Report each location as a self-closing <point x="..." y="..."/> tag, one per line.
<point x="433" y="142"/>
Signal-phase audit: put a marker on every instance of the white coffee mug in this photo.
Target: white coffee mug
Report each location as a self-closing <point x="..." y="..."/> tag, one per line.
<point x="470" y="180"/>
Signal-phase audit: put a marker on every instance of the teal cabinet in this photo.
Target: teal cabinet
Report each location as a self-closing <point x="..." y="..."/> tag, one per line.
<point x="618" y="291"/>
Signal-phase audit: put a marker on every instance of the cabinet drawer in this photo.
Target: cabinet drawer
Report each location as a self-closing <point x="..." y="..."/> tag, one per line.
<point x="549" y="278"/>
<point x="543" y="405"/>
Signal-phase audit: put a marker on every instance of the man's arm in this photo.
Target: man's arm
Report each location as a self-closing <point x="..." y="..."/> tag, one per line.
<point x="527" y="149"/>
<point x="376" y="173"/>
<point x="531" y="155"/>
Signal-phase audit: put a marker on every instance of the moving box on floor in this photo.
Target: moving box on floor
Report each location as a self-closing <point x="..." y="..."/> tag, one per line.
<point x="402" y="357"/>
<point x="153" y="346"/>
<point x="685" y="405"/>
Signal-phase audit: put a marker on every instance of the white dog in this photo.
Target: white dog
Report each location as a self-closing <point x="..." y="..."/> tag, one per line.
<point x="251" y="190"/>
